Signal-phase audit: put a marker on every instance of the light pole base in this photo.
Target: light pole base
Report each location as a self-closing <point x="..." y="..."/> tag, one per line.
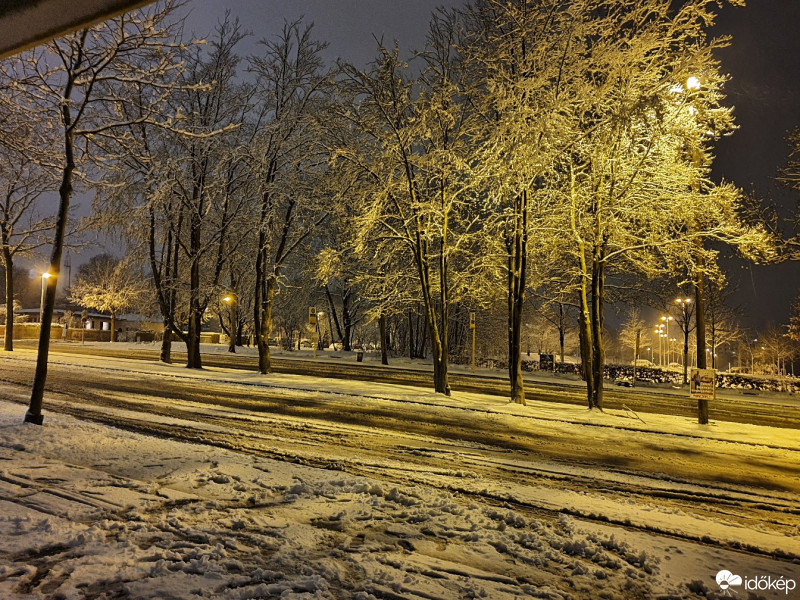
<point x="35" y="419"/>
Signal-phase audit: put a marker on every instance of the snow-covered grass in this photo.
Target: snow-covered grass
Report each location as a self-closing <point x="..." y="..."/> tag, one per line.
<point x="90" y="511"/>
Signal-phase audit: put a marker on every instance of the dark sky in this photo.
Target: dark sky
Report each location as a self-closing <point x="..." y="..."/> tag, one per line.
<point x="763" y="61"/>
<point x="347" y="25"/>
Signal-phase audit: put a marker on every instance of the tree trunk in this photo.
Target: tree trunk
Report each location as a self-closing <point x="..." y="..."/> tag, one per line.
<point x="598" y="349"/>
<point x="332" y="311"/>
<point x="700" y="320"/>
<point x="265" y="321"/>
<point x="166" y="343"/>
<point x="34" y="413"/>
<point x="113" y="326"/>
<point x="562" y="334"/>
<point x="164" y="274"/>
<point x="440" y="380"/>
<point x="348" y="322"/>
<point x="517" y="262"/>
<point x="584" y="318"/>
<point x="193" y="359"/>
<point x="438" y="349"/>
<point x="8" y="263"/>
<point x="444" y="299"/>
<point x="382" y="328"/>
<point x="686" y="352"/>
<point x="410" y="336"/>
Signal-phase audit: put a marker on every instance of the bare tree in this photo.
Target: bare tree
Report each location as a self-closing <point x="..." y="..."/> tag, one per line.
<point x="286" y="163"/>
<point x="176" y="188"/>
<point x="23" y="180"/>
<point x="68" y="81"/>
<point x="684" y="320"/>
<point x="721" y="318"/>
<point x="634" y="334"/>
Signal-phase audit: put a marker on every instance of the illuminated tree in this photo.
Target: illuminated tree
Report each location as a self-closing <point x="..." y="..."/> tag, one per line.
<point x="109" y="285"/>
<point x="419" y="206"/>
<point x="790" y="174"/>
<point x="525" y="67"/>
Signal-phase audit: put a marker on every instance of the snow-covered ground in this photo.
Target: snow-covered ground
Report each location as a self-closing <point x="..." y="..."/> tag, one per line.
<point x="90" y="511"/>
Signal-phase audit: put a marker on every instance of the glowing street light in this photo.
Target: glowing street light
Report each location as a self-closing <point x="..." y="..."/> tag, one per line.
<point x="665" y="334"/>
<point x="317" y="337"/>
<point x="230" y="300"/>
<point x="45" y="276"/>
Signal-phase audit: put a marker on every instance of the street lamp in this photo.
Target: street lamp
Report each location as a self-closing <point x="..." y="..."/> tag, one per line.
<point x="693" y="86"/>
<point x="685" y="305"/>
<point x="45" y="276"/>
<point x="230" y="300"/>
<point x="666" y="321"/>
<point x="657" y="333"/>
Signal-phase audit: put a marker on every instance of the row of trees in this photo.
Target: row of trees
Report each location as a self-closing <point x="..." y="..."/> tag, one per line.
<point x="548" y="149"/>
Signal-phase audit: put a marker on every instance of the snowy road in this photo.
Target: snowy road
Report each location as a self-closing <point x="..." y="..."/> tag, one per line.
<point x="724" y="492"/>
<point x="736" y="406"/>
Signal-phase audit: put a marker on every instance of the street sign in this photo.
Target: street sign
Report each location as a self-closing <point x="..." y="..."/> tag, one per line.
<point x="472" y="320"/>
<point x="312" y="315"/>
<point x="702" y="384"/>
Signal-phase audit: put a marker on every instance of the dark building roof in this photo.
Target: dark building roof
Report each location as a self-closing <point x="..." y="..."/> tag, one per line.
<point x="26" y="23"/>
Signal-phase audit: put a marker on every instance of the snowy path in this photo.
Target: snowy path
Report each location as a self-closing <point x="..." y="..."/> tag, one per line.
<point x="399" y="493"/>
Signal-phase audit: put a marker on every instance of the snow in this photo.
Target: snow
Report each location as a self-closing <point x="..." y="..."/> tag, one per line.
<point x="91" y="511"/>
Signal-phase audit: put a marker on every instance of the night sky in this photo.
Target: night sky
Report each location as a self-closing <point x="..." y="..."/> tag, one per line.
<point x="764" y="63"/>
<point x="763" y="60"/>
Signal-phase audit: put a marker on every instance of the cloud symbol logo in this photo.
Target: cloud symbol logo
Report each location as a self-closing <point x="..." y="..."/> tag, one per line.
<point x="726" y="579"/>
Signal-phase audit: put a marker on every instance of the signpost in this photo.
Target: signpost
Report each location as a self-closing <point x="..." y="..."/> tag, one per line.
<point x="702" y="384"/>
<point x="84" y="320"/>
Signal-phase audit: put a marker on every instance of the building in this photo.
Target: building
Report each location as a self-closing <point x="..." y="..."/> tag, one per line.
<point x="27" y="23"/>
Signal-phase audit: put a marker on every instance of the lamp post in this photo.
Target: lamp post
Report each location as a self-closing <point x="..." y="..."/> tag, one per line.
<point x="666" y="320"/>
<point x="685" y="323"/>
<point x="693" y="86"/>
<point x="230" y="300"/>
<point x="659" y="333"/>
<point x="45" y="277"/>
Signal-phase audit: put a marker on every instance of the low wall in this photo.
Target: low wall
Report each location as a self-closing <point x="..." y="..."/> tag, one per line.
<point x="30" y="331"/>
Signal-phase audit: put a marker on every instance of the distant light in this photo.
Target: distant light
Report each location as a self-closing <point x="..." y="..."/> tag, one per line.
<point x="693" y="83"/>
<point x="227" y="299"/>
<point x="46" y="275"/>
